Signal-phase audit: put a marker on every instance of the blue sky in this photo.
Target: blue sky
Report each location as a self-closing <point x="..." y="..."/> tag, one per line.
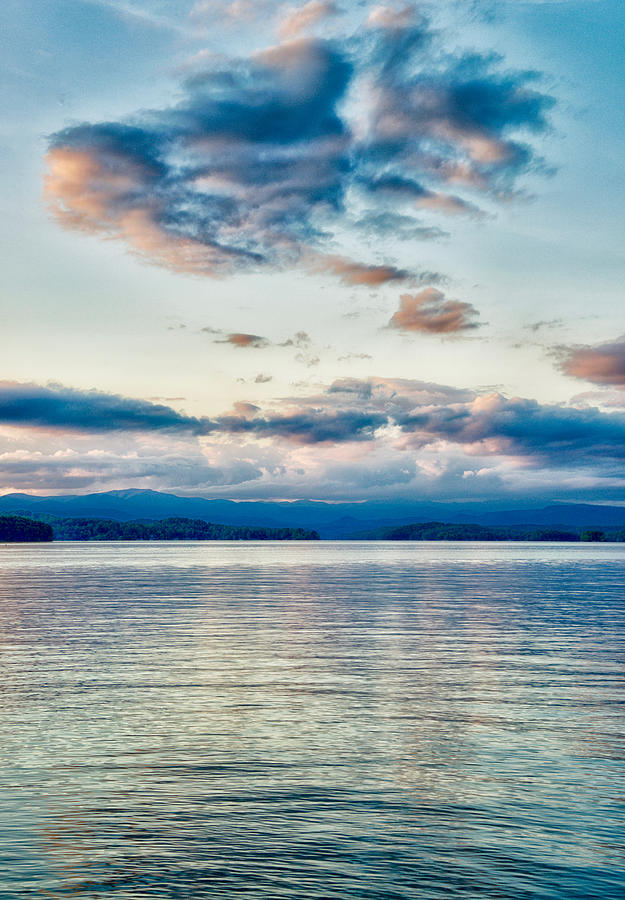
<point x="324" y="250"/>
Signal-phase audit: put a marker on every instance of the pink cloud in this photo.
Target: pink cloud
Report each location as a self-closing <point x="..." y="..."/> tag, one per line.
<point x="431" y="313"/>
<point x="241" y="339"/>
<point x="302" y="18"/>
<point x="601" y="364"/>
<point x="356" y="273"/>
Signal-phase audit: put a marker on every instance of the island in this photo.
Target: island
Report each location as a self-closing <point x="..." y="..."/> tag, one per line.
<point x="443" y="531"/>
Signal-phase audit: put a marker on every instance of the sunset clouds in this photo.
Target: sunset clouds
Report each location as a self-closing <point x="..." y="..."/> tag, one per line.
<point x="602" y="364"/>
<point x="431" y="312"/>
<point x="391" y="417"/>
<point x="265" y="158"/>
<point x="283" y="199"/>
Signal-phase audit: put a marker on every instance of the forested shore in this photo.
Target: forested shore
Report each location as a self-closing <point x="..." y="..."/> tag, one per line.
<point x="172" y="529"/>
<point x="441" y="531"/>
<point x="18" y="528"/>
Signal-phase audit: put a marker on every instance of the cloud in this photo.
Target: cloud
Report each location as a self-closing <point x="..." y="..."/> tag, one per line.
<point x="395" y="19"/>
<point x="417" y="415"/>
<point x="300" y="339"/>
<point x="316" y="426"/>
<point x="602" y="398"/>
<point x="408" y="414"/>
<point x="601" y="364"/>
<point x="544" y="323"/>
<point x="233" y="13"/>
<point x="402" y="227"/>
<point x="455" y="118"/>
<point x="56" y="407"/>
<point x="91" y="469"/>
<point x="230" y="178"/>
<point x="263" y="379"/>
<point x="355" y="273"/>
<point x="355" y="438"/>
<point x="431" y="313"/>
<point x="302" y="18"/>
<point x="401" y="188"/>
<point x="267" y="158"/>
<point x="241" y="340"/>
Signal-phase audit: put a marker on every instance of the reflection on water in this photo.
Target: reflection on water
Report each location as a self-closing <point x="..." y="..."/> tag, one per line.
<point x="312" y="720"/>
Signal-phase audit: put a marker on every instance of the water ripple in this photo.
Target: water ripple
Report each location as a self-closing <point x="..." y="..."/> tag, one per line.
<point x="323" y="720"/>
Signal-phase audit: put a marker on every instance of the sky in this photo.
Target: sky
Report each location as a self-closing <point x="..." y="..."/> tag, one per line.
<point x="325" y="250"/>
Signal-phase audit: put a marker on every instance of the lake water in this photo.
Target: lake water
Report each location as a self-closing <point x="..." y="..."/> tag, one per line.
<point x="319" y="720"/>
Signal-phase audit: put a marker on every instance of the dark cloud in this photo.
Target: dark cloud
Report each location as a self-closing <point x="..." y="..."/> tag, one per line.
<point x="548" y="434"/>
<point x="600" y="363"/>
<point x="314" y="426"/>
<point x="262" y="379"/>
<point x="400" y="188"/>
<point x="56" y="407"/>
<point x="421" y="414"/>
<point x="430" y="312"/>
<point x="259" y="163"/>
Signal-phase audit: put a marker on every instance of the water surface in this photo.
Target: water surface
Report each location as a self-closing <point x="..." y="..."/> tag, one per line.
<point x="319" y="720"/>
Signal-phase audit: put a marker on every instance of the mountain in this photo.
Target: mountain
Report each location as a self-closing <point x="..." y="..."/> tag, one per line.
<point x="334" y="520"/>
<point x="331" y="520"/>
<point x="576" y="515"/>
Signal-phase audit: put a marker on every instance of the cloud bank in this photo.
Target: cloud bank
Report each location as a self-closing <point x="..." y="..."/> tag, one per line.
<point x="354" y="438"/>
<point x="414" y="413"/>
<point x="54" y="406"/>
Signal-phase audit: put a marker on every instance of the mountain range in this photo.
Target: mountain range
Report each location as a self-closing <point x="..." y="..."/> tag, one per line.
<point x="331" y="520"/>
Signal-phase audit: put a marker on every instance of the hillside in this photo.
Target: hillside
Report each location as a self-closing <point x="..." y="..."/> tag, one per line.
<point x="18" y="529"/>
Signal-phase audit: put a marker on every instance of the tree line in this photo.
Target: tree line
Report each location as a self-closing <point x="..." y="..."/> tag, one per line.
<point x="441" y="531"/>
<point x="15" y="529"/>
<point x="172" y="529"/>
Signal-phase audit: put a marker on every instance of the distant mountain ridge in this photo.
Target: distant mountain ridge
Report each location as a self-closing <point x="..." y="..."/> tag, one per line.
<point x="331" y="520"/>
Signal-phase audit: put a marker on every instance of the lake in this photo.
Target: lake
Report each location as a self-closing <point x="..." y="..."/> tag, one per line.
<point x="312" y="720"/>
